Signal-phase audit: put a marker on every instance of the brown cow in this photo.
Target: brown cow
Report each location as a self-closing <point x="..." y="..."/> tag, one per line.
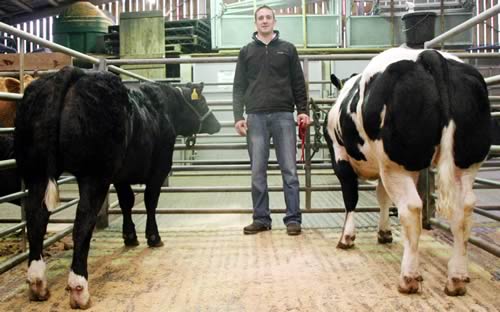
<point x="7" y="107"/>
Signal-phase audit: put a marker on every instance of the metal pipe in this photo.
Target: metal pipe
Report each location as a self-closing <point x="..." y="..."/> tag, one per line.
<point x="236" y="189"/>
<point x="491" y="248"/>
<point x="487" y="182"/>
<point x="229" y="167"/>
<point x="64" y="206"/>
<point x="8" y="164"/>
<point x="487" y="214"/>
<point x="10" y="96"/>
<point x="14" y="228"/>
<point x="6" y="130"/>
<point x="57" y="47"/>
<point x="12" y="262"/>
<point x="492" y="80"/>
<point x="242" y="210"/>
<point x="13" y="196"/>
<point x="464" y="26"/>
<point x="488" y="207"/>
<point x="53" y="46"/>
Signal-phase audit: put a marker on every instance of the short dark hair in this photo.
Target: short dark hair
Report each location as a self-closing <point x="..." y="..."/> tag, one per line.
<point x="263" y="7"/>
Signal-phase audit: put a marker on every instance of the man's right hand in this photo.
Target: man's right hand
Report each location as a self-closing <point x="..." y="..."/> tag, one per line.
<point x="241" y="127"/>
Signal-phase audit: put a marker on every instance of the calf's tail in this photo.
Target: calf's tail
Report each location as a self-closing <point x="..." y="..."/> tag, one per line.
<point x="62" y="81"/>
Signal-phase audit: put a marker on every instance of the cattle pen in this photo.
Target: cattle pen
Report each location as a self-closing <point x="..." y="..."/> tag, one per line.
<point x="207" y="264"/>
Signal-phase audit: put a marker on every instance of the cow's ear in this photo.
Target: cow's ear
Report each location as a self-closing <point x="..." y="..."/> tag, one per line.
<point x="189" y="85"/>
<point x="335" y="81"/>
<point x="27" y="80"/>
<point x="12" y="85"/>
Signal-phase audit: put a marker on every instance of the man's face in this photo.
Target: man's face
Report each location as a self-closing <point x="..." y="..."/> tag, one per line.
<point x="265" y="22"/>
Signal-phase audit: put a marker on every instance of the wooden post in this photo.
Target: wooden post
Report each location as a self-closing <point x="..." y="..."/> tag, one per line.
<point x="142" y="35"/>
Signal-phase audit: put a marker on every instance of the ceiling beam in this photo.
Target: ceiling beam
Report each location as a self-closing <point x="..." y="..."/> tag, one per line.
<point x="53" y="3"/>
<point x="21" y="5"/>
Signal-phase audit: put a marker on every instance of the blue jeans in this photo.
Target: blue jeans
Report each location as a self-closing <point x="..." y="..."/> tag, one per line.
<point x="281" y="127"/>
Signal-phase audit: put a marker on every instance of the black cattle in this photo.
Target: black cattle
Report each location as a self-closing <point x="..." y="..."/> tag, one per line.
<point x="89" y="124"/>
<point x="407" y="110"/>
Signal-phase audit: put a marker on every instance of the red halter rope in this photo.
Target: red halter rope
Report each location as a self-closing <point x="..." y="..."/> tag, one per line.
<point x="302" y="136"/>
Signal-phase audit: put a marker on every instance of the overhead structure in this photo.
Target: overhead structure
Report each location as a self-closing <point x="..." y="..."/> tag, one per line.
<point x="20" y="11"/>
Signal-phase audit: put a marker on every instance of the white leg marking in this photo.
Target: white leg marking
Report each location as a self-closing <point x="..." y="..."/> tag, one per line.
<point x="348" y="232"/>
<point x="37" y="280"/>
<point x="79" y="291"/>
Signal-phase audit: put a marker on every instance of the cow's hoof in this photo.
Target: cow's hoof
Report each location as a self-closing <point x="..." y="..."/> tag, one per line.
<point x="130" y="240"/>
<point x="38" y="291"/>
<point x="456" y="286"/>
<point x="155" y="241"/>
<point x="346" y="242"/>
<point x="410" y="284"/>
<point x="384" y="237"/>
<point x="78" y="288"/>
<point x="79" y="297"/>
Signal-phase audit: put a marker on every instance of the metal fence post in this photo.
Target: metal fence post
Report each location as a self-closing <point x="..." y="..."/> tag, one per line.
<point x="426" y="188"/>
<point x="103" y="215"/>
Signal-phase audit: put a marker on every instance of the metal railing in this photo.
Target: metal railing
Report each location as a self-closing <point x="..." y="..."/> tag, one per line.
<point x="308" y="188"/>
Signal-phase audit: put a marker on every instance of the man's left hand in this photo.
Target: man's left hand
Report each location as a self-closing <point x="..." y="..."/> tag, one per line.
<point x="303" y="120"/>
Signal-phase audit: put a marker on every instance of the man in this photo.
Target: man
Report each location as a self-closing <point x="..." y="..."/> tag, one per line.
<point x="268" y="82"/>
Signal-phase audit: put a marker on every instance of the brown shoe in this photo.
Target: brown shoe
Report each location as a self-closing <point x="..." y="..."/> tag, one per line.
<point x="255" y="228"/>
<point x="293" y="229"/>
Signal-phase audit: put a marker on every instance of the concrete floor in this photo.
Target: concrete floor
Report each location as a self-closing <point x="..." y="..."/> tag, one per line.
<point x="219" y="269"/>
<point x="208" y="265"/>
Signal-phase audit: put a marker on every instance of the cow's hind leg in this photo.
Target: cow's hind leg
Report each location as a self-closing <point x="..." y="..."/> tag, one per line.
<point x="126" y="198"/>
<point x="349" y="182"/>
<point x="151" y="195"/>
<point x="37" y="217"/>
<point x="460" y="227"/>
<point x="401" y="187"/>
<point x="384" y="234"/>
<point x="93" y="190"/>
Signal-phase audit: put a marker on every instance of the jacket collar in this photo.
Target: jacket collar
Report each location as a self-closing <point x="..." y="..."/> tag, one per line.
<point x="276" y="37"/>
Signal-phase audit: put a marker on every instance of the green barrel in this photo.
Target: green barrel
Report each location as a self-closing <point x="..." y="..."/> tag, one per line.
<point x="79" y="26"/>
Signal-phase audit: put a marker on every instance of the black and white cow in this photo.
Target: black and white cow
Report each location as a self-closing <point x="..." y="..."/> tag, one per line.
<point x="89" y="124"/>
<point x="408" y="110"/>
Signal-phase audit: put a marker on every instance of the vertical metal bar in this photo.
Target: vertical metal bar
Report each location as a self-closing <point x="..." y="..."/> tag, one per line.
<point x="307" y="156"/>
<point x="103" y="215"/>
<point x="426" y="188"/>
<point x="304" y="23"/>
<point x="393" y="28"/>
<point x="21" y="65"/>
<point x="23" y="218"/>
<point x="441" y="20"/>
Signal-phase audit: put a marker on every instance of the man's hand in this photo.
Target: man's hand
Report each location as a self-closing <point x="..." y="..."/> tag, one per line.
<point x="241" y="127"/>
<point x="303" y="120"/>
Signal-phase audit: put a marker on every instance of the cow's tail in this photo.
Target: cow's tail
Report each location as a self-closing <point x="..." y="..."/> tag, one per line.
<point x="447" y="188"/>
<point x="62" y="81"/>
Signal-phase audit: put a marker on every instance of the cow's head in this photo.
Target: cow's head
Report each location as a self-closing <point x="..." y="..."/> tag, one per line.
<point x="7" y="107"/>
<point x="195" y="115"/>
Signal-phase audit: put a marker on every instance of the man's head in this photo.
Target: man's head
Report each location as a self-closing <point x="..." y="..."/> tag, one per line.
<point x="264" y="20"/>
